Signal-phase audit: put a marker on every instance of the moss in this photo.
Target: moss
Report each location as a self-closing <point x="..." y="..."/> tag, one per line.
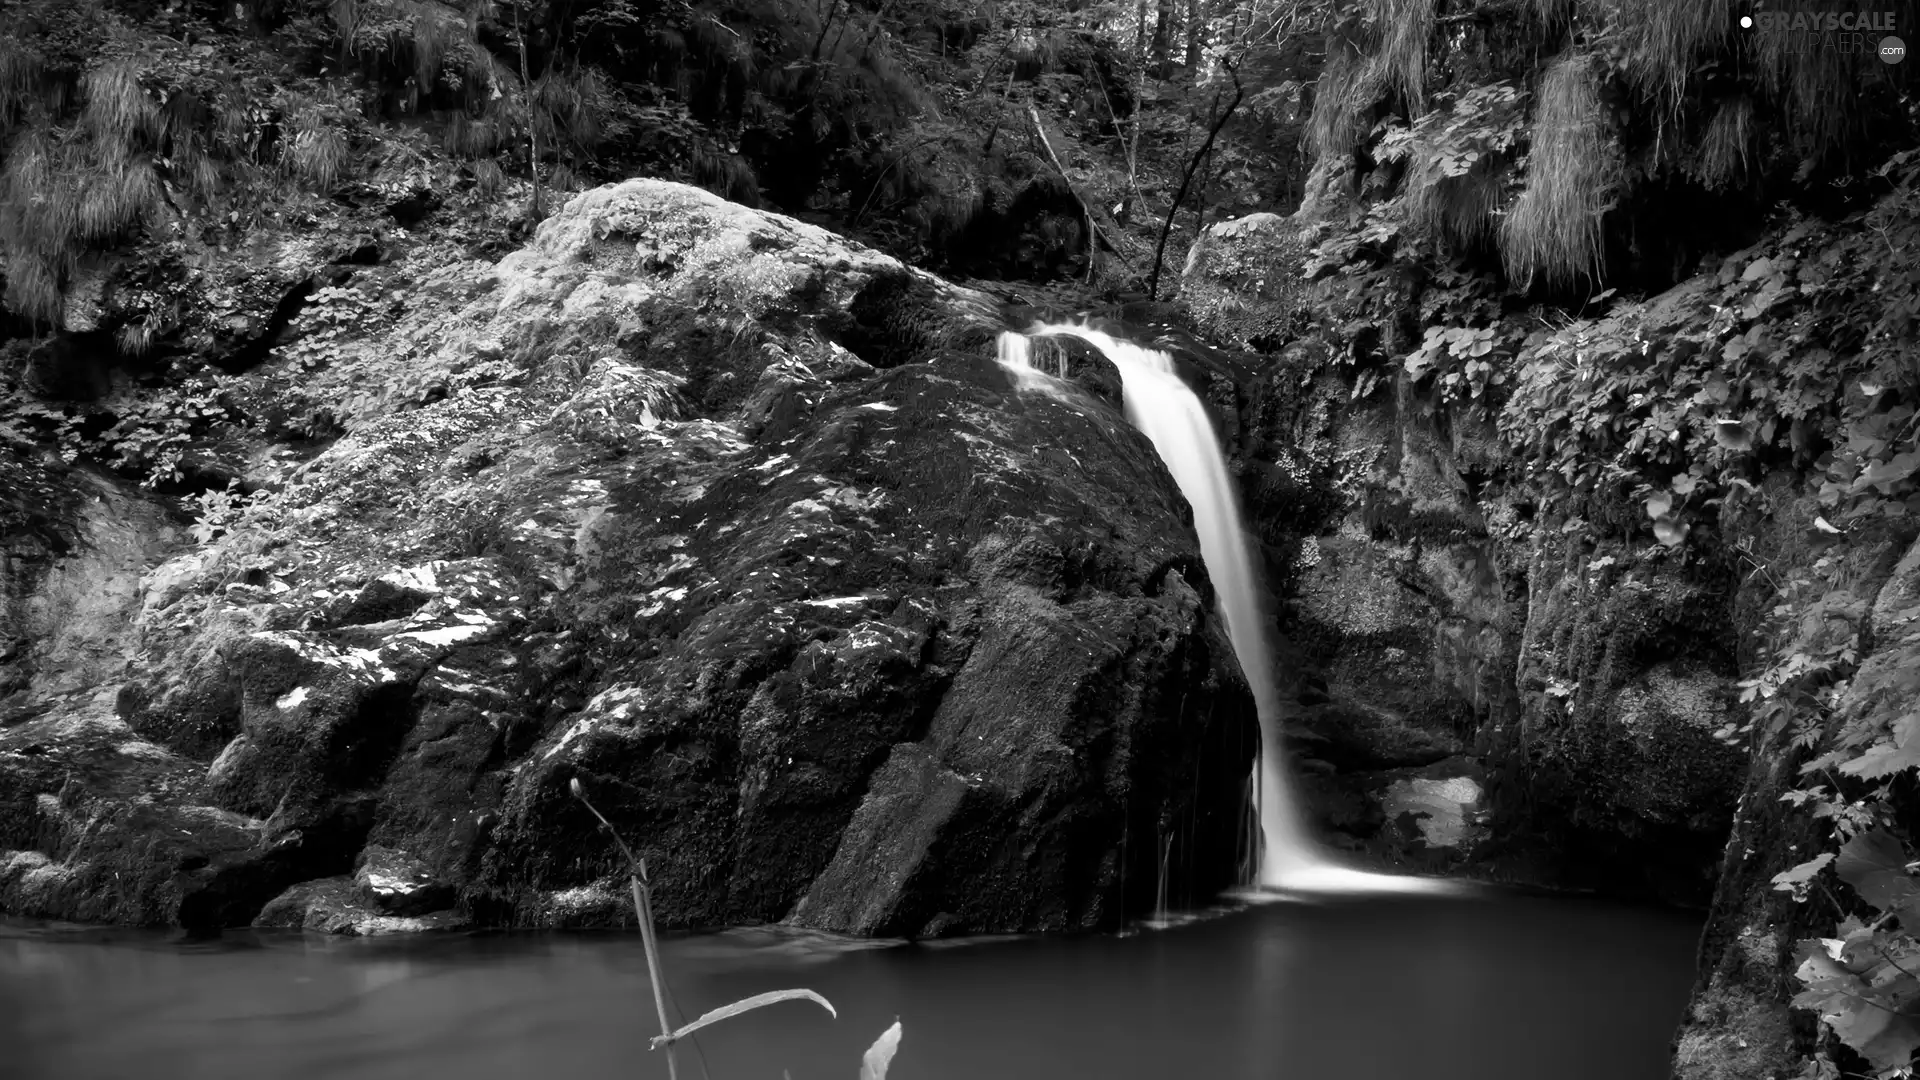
<point x="1733" y="1034"/>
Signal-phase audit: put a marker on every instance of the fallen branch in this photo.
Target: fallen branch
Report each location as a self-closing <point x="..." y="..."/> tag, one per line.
<point x="1086" y="207"/>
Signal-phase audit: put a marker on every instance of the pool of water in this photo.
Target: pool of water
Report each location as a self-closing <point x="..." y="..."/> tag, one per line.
<point x="1488" y="988"/>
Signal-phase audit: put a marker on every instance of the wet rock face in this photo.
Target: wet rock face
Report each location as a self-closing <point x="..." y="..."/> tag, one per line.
<point x="1436" y="632"/>
<point x="1626" y="669"/>
<point x="731" y="520"/>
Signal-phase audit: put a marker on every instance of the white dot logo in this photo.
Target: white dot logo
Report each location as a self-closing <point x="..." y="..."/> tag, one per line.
<point x="1746" y="22"/>
<point x="1892" y="50"/>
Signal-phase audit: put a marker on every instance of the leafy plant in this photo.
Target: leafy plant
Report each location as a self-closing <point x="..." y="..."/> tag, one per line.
<point x="1465" y="364"/>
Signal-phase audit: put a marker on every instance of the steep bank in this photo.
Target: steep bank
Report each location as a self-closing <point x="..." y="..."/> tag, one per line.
<point x="730" y="519"/>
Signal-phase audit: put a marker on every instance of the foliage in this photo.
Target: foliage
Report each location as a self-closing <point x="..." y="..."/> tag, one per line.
<point x="1467" y="368"/>
<point x="1798" y="354"/>
<point x="141" y="435"/>
<point x="874" y="1063"/>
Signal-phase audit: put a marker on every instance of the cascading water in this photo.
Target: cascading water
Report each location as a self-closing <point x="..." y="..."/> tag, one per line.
<point x="1167" y="411"/>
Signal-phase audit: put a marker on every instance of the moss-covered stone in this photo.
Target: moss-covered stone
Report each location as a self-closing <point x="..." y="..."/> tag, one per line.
<point x="733" y="521"/>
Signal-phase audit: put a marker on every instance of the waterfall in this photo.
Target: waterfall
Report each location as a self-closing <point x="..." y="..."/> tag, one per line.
<point x="1167" y="411"/>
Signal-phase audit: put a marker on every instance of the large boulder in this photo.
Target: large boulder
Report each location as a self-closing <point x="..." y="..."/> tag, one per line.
<point x="733" y="521"/>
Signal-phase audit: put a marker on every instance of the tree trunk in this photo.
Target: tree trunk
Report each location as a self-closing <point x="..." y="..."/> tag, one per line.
<point x="1162" y="36"/>
<point x="1196" y="36"/>
<point x="537" y="209"/>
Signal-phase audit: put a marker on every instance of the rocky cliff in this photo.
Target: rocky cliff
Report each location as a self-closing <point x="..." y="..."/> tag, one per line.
<point x="731" y="520"/>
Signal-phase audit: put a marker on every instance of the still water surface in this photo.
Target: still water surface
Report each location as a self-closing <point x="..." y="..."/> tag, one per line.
<point x="1489" y="988"/>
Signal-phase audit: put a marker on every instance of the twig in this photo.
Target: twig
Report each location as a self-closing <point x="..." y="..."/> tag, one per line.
<point x="1160" y="248"/>
<point x="643" y="910"/>
<point x="642" y="903"/>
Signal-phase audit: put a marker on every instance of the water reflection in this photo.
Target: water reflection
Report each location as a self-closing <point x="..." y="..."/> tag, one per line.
<point x="1495" y="989"/>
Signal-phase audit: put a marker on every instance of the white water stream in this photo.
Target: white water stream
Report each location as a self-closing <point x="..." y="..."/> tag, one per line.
<point x="1167" y="411"/>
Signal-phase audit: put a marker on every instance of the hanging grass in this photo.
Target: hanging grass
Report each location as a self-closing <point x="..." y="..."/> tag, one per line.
<point x="1460" y="210"/>
<point x="1552" y="13"/>
<point x="474" y="136"/>
<point x="574" y="105"/>
<point x="1553" y="231"/>
<point x="119" y="114"/>
<point x="726" y="175"/>
<point x="1350" y="84"/>
<point x="1664" y="40"/>
<point x="488" y="177"/>
<point x="1405" y="27"/>
<point x="113" y="195"/>
<point x="23" y="84"/>
<point x="1817" y="89"/>
<point x="66" y="189"/>
<point x="431" y="42"/>
<point x="1727" y="147"/>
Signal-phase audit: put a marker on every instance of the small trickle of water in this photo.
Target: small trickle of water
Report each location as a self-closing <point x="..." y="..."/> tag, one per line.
<point x="1167" y="411"/>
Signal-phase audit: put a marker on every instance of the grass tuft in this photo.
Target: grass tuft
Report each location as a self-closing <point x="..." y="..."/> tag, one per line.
<point x="488" y="177"/>
<point x="1553" y="231"/>
<point x="314" y="150"/>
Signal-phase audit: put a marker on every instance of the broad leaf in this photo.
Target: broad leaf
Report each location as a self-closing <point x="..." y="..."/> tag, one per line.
<point x="1893" y="470"/>
<point x="1892" y="755"/>
<point x="1791" y="880"/>
<point x="1875" y="864"/>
